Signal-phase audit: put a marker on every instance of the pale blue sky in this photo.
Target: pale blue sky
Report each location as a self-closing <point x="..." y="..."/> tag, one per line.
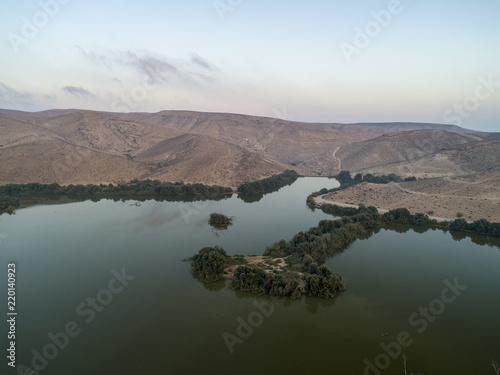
<point x="424" y="60"/>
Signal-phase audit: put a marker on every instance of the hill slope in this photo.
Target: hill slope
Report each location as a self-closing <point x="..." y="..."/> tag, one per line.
<point x="307" y="145"/>
<point x="76" y="146"/>
<point x="399" y="147"/>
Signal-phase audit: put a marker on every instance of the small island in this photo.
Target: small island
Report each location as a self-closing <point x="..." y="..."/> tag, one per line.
<point x="220" y="221"/>
<point x="266" y="274"/>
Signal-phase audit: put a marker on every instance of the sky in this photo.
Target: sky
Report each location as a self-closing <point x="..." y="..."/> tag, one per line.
<point x="313" y="61"/>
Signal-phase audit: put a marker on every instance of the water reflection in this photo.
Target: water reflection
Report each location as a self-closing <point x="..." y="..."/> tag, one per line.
<point x="250" y="198"/>
<point x="215" y="286"/>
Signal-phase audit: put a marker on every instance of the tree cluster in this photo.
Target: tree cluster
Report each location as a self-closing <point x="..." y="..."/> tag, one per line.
<point x="220" y="221"/>
<point x="344" y="177"/>
<point x="270" y="184"/>
<point x="208" y="265"/>
<point x="256" y="280"/>
<point x="346" y="180"/>
<point x="482" y="226"/>
<point x="403" y="216"/>
<point x="132" y="188"/>
<point x="312" y="247"/>
<point x="324" y="284"/>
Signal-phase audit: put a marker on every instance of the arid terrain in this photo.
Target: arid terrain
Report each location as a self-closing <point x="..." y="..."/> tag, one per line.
<point x="459" y="168"/>
<point x="456" y="176"/>
<point x="475" y="196"/>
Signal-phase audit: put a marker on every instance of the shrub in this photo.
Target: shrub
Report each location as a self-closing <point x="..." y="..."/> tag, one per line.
<point x="220" y="221"/>
<point x="208" y="265"/>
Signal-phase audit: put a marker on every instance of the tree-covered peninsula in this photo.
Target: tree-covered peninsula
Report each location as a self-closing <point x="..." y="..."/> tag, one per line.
<point x="12" y="195"/>
<point x="257" y="189"/>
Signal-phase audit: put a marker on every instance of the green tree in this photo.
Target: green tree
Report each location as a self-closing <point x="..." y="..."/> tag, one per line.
<point x="344" y="177"/>
<point x="208" y="265"/>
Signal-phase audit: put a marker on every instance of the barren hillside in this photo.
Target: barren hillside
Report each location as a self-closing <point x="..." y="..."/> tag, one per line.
<point x="53" y="160"/>
<point x="401" y="147"/>
<point x="93" y="147"/>
<point x="76" y="146"/>
<point x="445" y="155"/>
<point x="196" y="158"/>
<point x="307" y="145"/>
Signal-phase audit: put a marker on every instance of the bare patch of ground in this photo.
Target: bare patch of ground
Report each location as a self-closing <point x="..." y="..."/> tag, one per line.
<point x="267" y="263"/>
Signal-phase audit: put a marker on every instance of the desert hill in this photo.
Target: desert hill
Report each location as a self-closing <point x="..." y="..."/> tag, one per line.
<point x="400" y="148"/>
<point x="424" y="154"/>
<point x="106" y="133"/>
<point x="79" y="146"/>
<point x="93" y="147"/>
<point x="210" y="160"/>
<point x="306" y="145"/>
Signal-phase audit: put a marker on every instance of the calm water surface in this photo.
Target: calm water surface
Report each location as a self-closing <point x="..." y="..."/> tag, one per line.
<point x="165" y="322"/>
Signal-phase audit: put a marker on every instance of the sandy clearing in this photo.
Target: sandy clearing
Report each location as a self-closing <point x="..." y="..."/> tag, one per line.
<point x="254" y="260"/>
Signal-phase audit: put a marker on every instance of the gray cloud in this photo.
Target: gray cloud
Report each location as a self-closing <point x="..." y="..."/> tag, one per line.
<point x="7" y="93"/>
<point x="77" y="91"/>
<point x="200" y="61"/>
<point x="155" y="68"/>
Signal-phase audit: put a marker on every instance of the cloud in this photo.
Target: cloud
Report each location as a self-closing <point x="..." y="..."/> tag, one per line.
<point x="7" y="93"/>
<point x="77" y="91"/>
<point x="155" y="68"/>
<point x="200" y="61"/>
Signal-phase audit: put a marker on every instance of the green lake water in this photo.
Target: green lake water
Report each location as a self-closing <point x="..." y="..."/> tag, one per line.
<point x="165" y="322"/>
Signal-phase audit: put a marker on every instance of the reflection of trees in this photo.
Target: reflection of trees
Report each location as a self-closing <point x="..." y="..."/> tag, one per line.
<point x="477" y="239"/>
<point x="421" y="229"/>
<point x="215" y="286"/>
<point x="61" y="199"/>
<point x="312" y="303"/>
<point x="458" y="236"/>
<point x="250" y="198"/>
<point x="484" y="240"/>
<point x="217" y="232"/>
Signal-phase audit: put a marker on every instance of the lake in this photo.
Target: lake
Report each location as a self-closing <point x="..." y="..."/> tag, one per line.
<point x="102" y="288"/>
